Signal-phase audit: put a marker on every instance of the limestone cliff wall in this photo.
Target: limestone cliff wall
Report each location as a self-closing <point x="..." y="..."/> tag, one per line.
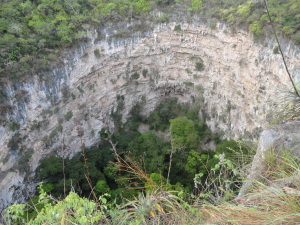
<point x="230" y="76"/>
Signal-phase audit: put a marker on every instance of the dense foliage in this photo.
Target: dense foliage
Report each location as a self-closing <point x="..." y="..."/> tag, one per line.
<point x="268" y="203"/>
<point x="285" y="15"/>
<point x="34" y="31"/>
<point x="169" y="156"/>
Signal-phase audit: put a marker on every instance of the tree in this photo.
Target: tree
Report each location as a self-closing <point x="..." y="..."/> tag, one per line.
<point x="231" y="148"/>
<point x="142" y="6"/>
<point x="200" y="162"/>
<point x="157" y="181"/>
<point x="151" y="150"/>
<point x="196" y="5"/>
<point x="184" y="134"/>
<point x="256" y="28"/>
<point x="51" y="169"/>
<point x="102" y="187"/>
<point x="184" y="138"/>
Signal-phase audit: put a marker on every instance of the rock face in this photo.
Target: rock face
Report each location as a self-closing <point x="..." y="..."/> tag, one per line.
<point x="279" y="138"/>
<point x="226" y="73"/>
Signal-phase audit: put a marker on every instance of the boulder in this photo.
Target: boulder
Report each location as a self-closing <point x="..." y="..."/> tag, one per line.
<point x="279" y="138"/>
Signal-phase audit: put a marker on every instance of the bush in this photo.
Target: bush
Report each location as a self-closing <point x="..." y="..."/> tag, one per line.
<point x="276" y="50"/>
<point x="177" y="28"/>
<point x="213" y="25"/>
<point x="199" y="66"/>
<point x="196" y="5"/>
<point x="145" y="72"/>
<point x="26" y="157"/>
<point x="188" y="83"/>
<point x="151" y="149"/>
<point x="68" y="116"/>
<point x="165" y="2"/>
<point x="102" y="187"/>
<point x="97" y="53"/>
<point x="135" y="76"/>
<point x="14" y="142"/>
<point x="256" y="28"/>
<point x="80" y="211"/>
<point x="164" y="18"/>
<point x="14" y="126"/>
<point x="297" y="37"/>
<point x="231" y="149"/>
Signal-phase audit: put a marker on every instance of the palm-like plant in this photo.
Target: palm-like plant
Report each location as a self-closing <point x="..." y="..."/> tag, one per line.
<point x="152" y="207"/>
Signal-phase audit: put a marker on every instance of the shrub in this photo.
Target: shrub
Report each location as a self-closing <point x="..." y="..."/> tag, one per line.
<point x="164" y="18"/>
<point x="14" y="142"/>
<point x="297" y="37"/>
<point x="184" y="133"/>
<point x="135" y="76"/>
<point x="69" y="115"/>
<point x="121" y="34"/>
<point x="80" y="90"/>
<point x="213" y="25"/>
<point x="188" y="83"/>
<point x="27" y="155"/>
<point x="199" y="63"/>
<point x="14" y="126"/>
<point x="55" y="131"/>
<point x="196" y="5"/>
<point x="80" y="211"/>
<point x="51" y="169"/>
<point x="256" y="28"/>
<point x="60" y="120"/>
<point x="102" y="187"/>
<point x="145" y="72"/>
<point x="199" y="66"/>
<point x="97" y="53"/>
<point x="276" y="50"/>
<point x="120" y="105"/>
<point x="245" y="9"/>
<point x="165" y="2"/>
<point x="177" y="28"/>
<point x="150" y="148"/>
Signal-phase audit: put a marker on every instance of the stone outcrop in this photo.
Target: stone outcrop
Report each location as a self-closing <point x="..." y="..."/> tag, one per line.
<point x="226" y="73"/>
<point x="280" y="138"/>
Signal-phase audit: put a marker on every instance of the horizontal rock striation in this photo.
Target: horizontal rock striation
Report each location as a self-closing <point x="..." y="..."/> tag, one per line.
<point x="230" y="76"/>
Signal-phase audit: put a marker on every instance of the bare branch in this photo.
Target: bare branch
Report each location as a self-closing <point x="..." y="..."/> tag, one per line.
<point x="280" y="50"/>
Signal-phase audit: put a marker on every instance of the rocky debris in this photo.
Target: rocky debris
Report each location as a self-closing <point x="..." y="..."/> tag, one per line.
<point x="279" y="139"/>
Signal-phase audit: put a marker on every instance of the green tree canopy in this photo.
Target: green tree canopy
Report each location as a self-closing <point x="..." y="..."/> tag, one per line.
<point x="184" y="135"/>
<point x="151" y="150"/>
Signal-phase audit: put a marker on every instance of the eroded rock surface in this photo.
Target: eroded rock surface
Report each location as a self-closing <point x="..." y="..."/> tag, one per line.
<point x="227" y="74"/>
<point x="280" y="138"/>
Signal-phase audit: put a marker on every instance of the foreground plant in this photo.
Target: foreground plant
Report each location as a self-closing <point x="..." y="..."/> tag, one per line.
<point x="276" y="200"/>
<point x="71" y="210"/>
<point x="152" y="207"/>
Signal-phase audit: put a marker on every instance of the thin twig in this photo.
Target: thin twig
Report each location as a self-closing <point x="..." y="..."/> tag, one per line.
<point x="130" y="166"/>
<point x="171" y="155"/>
<point x="88" y="177"/>
<point x="113" y="145"/>
<point x="170" y="164"/>
<point x="280" y="50"/>
<point x="62" y="148"/>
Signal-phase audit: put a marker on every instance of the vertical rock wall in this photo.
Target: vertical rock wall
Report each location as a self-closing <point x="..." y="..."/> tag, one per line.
<point x="233" y="79"/>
